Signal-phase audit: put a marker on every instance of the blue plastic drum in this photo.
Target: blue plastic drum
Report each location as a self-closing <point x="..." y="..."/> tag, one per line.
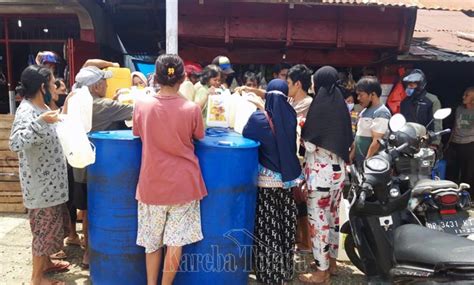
<point x="114" y="256"/>
<point x="229" y="163"/>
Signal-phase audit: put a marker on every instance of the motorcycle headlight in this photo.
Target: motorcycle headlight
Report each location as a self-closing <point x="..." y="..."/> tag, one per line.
<point x="376" y="164"/>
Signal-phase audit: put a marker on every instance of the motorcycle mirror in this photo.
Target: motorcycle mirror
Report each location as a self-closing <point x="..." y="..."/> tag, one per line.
<point x="463" y="186"/>
<point x="397" y="122"/>
<point x="442" y="113"/>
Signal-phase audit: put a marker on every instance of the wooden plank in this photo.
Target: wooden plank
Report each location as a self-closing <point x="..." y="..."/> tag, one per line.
<point x="4" y="145"/>
<point x="9" y="170"/>
<point x="13" y="178"/>
<point x="11" y="199"/>
<point x="9" y="162"/>
<point x="6" y="124"/>
<point x="10" y="194"/>
<point x="8" y="154"/>
<point x="4" y="134"/>
<point x="10" y="186"/>
<point x="12" y="208"/>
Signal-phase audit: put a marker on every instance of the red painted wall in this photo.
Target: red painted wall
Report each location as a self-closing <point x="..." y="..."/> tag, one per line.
<point x="262" y="33"/>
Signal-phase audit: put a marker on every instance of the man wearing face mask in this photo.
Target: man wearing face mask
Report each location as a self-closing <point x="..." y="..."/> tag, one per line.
<point x="419" y="105"/>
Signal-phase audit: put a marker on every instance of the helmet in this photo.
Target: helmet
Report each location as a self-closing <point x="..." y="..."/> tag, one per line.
<point x="416" y="76"/>
<point x="409" y="133"/>
<point x="49" y="57"/>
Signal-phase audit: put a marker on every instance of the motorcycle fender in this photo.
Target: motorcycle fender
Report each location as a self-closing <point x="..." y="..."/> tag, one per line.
<point x="346" y="228"/>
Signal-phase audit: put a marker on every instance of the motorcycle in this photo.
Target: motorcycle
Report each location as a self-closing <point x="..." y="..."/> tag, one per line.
<point x="438" y="204"/>
<point x="383" y="244"/>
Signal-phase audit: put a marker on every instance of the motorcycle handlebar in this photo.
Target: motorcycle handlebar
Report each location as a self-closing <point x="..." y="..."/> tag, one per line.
<point x="402" y="147"/>
<point x="441" y="133"/>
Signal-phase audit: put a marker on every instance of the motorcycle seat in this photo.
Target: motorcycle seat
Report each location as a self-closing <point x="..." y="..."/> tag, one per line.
<point x="415" y="244"/>
<point x="428" y="185"/>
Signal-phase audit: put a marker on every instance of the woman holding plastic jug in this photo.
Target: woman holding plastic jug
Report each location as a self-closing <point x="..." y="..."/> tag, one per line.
<point x="43" y="173"/>
<point x="209" y="82"/>
<point x="279" y="171"/>
<point x="170" y="185"/>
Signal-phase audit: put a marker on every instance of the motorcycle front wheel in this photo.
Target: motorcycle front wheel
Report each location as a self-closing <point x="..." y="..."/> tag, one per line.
<point x="351" y="251"/>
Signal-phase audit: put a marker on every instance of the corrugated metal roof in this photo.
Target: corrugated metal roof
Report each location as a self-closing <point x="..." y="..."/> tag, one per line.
<point x="447" y="35"/>
<point x="419" y="53"/>
<point x="451" y="5"/>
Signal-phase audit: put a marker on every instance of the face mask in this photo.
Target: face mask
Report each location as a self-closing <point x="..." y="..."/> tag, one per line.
<point x="410" y="91"/>
<point x="350" y="106"/>
<point x="47" y="97"/>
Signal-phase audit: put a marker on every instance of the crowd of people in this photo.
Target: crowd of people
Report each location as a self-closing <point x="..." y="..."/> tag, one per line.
<point x="309" y="128"/>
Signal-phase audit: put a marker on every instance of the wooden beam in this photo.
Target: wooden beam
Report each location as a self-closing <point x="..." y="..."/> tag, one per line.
<point x="340" y="29"/>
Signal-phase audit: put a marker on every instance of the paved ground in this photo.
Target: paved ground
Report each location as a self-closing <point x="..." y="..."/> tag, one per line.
<point x="15" y="258"/>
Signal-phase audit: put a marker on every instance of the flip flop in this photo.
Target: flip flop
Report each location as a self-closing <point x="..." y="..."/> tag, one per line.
<point x="331" y="271"/>
<point x="308" y="278"/>
<point x="85" y="261"/>
<point x="76" y="241"/>
<point x="58" y="255"/>
<point x="58" y="267"/>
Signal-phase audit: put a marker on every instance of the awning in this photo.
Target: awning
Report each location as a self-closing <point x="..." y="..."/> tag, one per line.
<point x="442" y="36"/>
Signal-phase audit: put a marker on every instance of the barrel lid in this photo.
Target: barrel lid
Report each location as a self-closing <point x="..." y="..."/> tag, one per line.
<point x="113" y="135"/>
<point x="225" y="138"/>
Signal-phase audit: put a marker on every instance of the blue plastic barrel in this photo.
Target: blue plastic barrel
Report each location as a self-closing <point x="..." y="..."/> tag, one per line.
<point x="439" y="170"/>
<point x="229" y="164"/>
<point x="114" y="256"/>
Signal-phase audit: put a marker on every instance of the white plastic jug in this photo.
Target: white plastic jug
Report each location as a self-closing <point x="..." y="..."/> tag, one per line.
<point x="80" y="107"/>
<point x="243" y="111"/>
<point x="77" y="148"/>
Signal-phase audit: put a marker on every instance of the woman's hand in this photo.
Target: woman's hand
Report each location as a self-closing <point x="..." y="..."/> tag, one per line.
<point x="257" y="101"/>
<point x="50" y="117"/>
<point x="241" y="89"/>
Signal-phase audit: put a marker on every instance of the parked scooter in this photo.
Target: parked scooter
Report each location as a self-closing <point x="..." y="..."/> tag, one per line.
<point x="381" y="243"/>
<point x="438" y="204"/>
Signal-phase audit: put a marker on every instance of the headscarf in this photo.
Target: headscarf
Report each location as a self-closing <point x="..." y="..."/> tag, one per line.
<point x="278" y="85"/>
<point x="328" y="124"/>
<point x="141" y="76"/>
<point x="277" y="150"/>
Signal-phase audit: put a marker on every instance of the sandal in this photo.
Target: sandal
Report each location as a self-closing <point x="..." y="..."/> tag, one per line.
<point x="85" y="260"/>
<point x="311" y="278"/>
<point x="74" y="241"/>
<point x="59" y="266"/>
<point x="333" y="271"/>
<point x="58" y="255"/>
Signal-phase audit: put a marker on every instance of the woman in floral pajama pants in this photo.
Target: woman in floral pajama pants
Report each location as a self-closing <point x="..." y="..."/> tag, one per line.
<point x="327" y="135"/>
<point x="325" y="179"/>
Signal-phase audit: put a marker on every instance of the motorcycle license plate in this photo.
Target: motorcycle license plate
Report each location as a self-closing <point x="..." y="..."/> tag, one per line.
<point x="461" y="223"/>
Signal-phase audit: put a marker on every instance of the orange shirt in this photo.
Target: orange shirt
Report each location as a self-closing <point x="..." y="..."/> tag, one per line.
<point x="170" y="172"/>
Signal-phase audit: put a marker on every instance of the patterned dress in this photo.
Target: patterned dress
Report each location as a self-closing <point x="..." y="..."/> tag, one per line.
<point x="275" y="228"/>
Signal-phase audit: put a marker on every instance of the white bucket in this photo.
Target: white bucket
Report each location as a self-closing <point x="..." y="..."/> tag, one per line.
<point x="343" y="218"/>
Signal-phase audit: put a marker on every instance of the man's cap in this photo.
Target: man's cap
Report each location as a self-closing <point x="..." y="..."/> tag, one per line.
<point x="224" y="63"/>
<point x="49" y="57"/>
<point x="90" y="75"/>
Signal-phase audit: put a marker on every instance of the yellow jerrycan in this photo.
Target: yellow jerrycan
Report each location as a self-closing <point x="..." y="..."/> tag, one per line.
<point x="121" y="78"/>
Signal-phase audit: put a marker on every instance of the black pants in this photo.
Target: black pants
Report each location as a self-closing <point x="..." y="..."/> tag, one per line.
<point x="70" y="203"/>
<point x="460" y="164"/>
<point x="275" y="230"/>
